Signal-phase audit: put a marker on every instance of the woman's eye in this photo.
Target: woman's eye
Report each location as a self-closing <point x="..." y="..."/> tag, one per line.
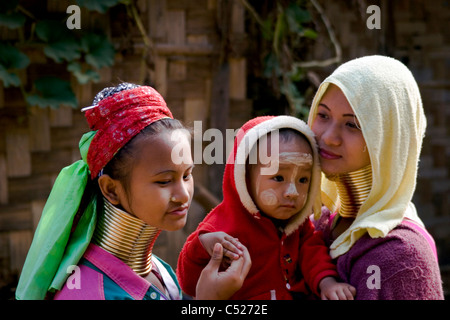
<point x="353" y="125"/>
<point x="187" y="176"/>
<point x="322" y="115"/>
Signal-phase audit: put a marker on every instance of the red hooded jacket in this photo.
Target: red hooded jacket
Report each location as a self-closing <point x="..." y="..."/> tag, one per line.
<point x="296" y="261"/>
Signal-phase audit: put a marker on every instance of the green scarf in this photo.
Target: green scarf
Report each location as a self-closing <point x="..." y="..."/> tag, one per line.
<point x="55" y="245"/>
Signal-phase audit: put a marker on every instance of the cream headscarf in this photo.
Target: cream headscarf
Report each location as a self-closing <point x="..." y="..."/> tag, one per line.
<point x="386" y="100"/>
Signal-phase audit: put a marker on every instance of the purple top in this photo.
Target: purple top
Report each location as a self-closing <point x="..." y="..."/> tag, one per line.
<point x="401" y="266"/>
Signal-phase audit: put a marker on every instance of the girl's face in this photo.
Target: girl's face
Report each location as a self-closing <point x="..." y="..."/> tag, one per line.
<point x="160" y="190"/>
<point x="284" y="193"/>
<point x="342" y="147"/>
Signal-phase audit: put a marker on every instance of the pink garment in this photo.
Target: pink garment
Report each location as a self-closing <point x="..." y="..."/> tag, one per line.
<point x="92" y="281"/>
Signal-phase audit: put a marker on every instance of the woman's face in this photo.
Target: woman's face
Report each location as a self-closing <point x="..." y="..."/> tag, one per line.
<point x="342" y="147"/>
<point x="160" y="189"/>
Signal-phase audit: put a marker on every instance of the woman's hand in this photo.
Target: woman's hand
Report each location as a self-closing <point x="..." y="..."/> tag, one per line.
<point x="221" y="285"/>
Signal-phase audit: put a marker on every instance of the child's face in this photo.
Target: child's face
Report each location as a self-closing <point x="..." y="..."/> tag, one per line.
<point x="284" y="193"/>
<point x="161" y="191"/>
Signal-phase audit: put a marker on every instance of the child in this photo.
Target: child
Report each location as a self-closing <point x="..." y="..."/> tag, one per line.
<point x="266" y="205"/>
<point x="106" y="210"/>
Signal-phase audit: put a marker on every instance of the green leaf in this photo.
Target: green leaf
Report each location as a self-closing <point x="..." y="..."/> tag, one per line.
<point x="52" y="31"/>
<point x="52" y="92"/>
<point x="98" y="5"/>
<point x="309" y="33"/>
<point x="272" y="65"/>
<point x="298" y="14"/>
<point x="12" y="20"/>
<point x="83" y="77"/>
<point x="9" y="78"/>
<point x="61" y="43"/>
<point x="68" y="50"/>
<point x="11" y="59"/>
<point x="99" y="51"/>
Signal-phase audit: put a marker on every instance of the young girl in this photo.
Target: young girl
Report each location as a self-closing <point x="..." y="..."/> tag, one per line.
<point x="106" y="210"/>
<point x="266" y="205"/>
<point x="369" y="123"/>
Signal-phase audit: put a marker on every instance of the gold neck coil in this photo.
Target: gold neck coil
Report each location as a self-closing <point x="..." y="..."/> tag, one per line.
<point x="127" y="237"/>
<point x="353" y="189"/>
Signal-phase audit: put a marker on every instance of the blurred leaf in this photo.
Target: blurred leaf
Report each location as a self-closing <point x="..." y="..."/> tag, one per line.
<point x="52" y="31"/>
<point x="68" y="50"/>
<point x="11" y="59"/>
<point x="52" y="92"/>
<point x="309" y="33"/>
<point x="272" y="65"/>
<point x="298" y="14"/>
<point x="12" y="20"/>
<point x="99" y="51"/>
<point x="98" y="5"/>
<point x="61" y="43"/>
<point x="267" y="29"/>
<point x="297" y="75"/>
<point x="9" y="78"/>
<point x="83" y="77"/>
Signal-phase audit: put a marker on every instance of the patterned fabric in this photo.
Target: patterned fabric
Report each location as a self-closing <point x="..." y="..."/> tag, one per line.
<point x="118" y="118"/>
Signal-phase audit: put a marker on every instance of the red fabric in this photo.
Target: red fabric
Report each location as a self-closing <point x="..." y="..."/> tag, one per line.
<point x="280" y="264"/>
<point x="119" y="118"/>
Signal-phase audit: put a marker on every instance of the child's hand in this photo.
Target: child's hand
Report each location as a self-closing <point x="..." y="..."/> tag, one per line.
<point x="232" y="248"/>
<point x="330" y="289"/>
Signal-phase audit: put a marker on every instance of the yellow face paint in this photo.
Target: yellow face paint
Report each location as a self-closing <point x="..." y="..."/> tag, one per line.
<point x="269" y="197"/>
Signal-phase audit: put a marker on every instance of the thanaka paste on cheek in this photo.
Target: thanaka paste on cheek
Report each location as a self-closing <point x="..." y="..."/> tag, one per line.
<point x="268" y="197"/>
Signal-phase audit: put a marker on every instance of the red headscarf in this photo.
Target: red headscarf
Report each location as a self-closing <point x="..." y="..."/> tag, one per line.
<point x="118" y="118"/>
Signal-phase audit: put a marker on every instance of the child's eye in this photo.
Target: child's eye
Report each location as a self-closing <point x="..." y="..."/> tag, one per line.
<point x="278" y="178"/>
<point x="303" y="180"/>
<point x="163" y="182"/>
<point x="187" y="176"/>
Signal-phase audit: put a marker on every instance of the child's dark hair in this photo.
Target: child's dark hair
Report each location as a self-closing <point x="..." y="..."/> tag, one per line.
<point x="287" y="134"/>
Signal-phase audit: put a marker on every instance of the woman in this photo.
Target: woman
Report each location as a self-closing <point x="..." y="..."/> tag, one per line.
<point x="369" y="124"/>
<point x="106" y="211"/>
